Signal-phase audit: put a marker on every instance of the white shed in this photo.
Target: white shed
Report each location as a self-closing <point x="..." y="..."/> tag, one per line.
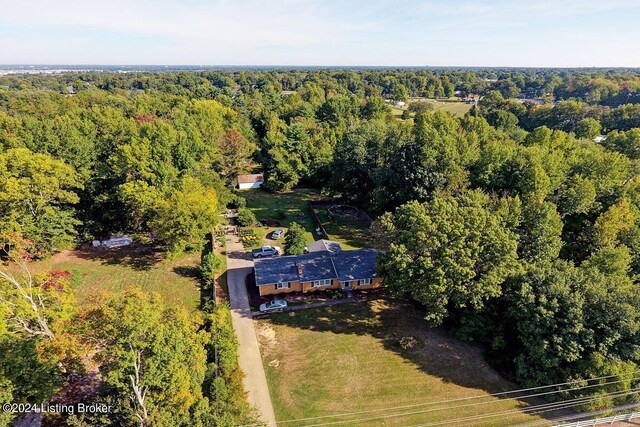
<point x="117" y="241"/>
<point x="600" y="138"/>
<point x="246" y="182"/>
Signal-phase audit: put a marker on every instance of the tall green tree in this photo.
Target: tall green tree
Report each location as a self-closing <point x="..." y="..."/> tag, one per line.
<point x="37" y="194"/>
<point x="295" y="239"/>
<point x="152" y="358"/>
<point x="450" y="252"/>
<point x="186" y="216"/>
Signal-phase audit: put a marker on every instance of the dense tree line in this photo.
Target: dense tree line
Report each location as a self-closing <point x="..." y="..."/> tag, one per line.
<point x="150" y="364"/>
<point x="133" y="140"/>
<point x="510" y="225"/>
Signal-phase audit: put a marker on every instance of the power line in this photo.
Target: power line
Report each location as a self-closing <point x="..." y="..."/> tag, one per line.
<point x="584" y="400"/>
<point x="347" y="414"/>
<point x="581" y="415"/>
<point x="533" y="410"/>
<point x="404" y="414"/>
<point x="424" y="411"/>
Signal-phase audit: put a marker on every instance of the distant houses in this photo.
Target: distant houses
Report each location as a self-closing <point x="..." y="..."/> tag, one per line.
<point x="471" y="98"/>
<point x="246" y="182"/>
<point x="326" y="266"/>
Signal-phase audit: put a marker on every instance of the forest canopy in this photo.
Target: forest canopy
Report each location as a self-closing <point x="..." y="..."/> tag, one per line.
<point x="516" y="225"/>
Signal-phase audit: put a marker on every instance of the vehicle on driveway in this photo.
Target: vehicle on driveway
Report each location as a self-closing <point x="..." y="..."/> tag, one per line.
<point x="275" y="305"/>
<point x="277" y="234"/>
<point x="266" y="251"/>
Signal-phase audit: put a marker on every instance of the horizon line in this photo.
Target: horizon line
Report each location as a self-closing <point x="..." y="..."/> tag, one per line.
<point x="315" y="66"/>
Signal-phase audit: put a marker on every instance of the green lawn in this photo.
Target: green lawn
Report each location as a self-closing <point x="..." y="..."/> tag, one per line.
<point x="451" y="105"/>
<point x="286" y="208"/>
<point x="116" y="269"/>
<point x="350" y="234"/>
<point x="347" y="358"/>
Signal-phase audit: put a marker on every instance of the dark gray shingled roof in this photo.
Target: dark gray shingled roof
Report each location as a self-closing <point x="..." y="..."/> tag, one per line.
<point x="358" y="264"/>
<point x="315" y="266"/>
<point x="276" y="270"/>
<point x="345" y="265"/>
<point x="324" y="245"/>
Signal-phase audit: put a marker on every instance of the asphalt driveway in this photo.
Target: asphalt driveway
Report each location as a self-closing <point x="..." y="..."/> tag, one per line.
<point x="239" y="265"/>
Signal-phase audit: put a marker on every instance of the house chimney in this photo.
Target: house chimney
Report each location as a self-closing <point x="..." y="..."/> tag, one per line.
<point x="299" y="268"/>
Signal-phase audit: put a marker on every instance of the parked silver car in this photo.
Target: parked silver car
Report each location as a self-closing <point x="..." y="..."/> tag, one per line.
<point x="266" y="251"/>
<point x="275" y="305"/>
<point x="277" y="234"/>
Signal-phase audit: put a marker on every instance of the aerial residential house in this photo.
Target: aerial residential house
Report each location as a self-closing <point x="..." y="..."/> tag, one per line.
<point x="246" y="182"/>
<point x="326" y="266"/>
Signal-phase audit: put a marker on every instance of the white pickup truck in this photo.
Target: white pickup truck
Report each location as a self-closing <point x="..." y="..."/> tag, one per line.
<point x="266" y="251"/>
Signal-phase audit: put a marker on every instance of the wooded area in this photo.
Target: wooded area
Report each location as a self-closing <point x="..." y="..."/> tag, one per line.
<point x="511" y="225"/>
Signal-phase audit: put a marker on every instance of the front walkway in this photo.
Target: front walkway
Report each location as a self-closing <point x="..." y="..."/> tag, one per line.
<point x="322" y="304"/>
<point x="239" y="265"/>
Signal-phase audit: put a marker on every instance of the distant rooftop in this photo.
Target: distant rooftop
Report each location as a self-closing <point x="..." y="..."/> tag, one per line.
<point x="250" y="178"/>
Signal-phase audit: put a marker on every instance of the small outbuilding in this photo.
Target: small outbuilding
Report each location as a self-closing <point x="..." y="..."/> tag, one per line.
<point x="599" y="138"/>
<point x="115" y="241"/>
<point x="249" y="181"/>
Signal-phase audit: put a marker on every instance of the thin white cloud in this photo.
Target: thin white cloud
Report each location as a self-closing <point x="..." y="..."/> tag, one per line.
<point x="316" y="32"/>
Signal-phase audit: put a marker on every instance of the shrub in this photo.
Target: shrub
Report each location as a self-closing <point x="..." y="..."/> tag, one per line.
<point x="407" y="343"/>
<point x="294" y="239"/>
<point x="211" y="265"/>
<point x="334" y="294"/>
<point x="246" y="217"/>
<point x="239" y="202"/>
<point x="250" y="237"/>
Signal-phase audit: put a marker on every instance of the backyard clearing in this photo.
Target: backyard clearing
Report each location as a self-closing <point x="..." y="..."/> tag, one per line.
<point x="114" y="270"/>
<point x="451" y="105"/>
<point x="292" y="206"/>
<point x="285" y="208"/>
<point x="324" y="362"/>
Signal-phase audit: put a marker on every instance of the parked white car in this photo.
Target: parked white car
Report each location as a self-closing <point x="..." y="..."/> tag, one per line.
<point x="275" y="305"/>
<point x="266" y="251"/>
<point x="277" y="234"/>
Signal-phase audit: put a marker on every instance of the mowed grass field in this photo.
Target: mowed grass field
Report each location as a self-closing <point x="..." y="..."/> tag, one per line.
<point x="117" y="269"/>
<point x="351" y="234"/>
<point x="452" y="105"/>
<point x="343" y="359"/>
<point x="287" y="207"/>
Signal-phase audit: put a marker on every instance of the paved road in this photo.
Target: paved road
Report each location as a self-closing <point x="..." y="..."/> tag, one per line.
<point x="239" y="265"/>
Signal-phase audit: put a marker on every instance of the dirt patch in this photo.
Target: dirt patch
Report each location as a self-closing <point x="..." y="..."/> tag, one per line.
<point x="64" y="256"/>
<point x="274" y="363"/>
<point x="438" y="352"/>
<point x="440" y="348"/>
<point x="266" y="335"/>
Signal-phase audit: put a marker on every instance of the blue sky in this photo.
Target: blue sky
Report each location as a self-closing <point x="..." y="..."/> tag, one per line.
<point x="322" y="32"/>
